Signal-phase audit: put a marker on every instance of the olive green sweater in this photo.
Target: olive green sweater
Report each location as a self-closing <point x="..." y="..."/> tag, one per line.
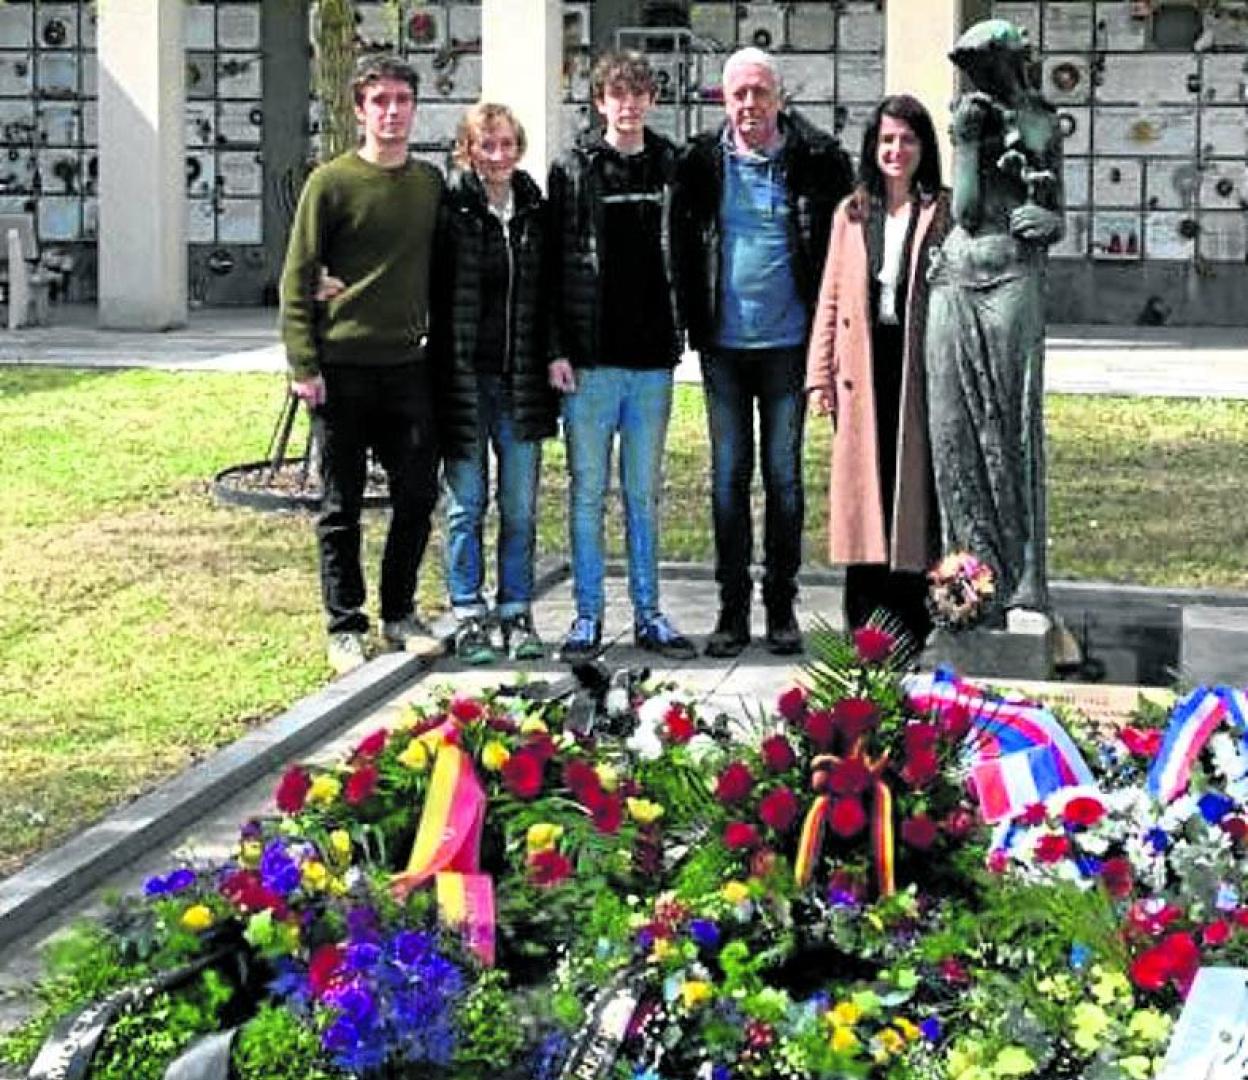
<point x="372" y="227"/>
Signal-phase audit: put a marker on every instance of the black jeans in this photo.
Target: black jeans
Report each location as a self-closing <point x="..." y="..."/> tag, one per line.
<point x="388" y="410"/>
<point x="734" y="380"/>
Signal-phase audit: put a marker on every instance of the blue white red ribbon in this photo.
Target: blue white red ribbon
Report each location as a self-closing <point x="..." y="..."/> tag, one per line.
<point x="1006" y="786"/>
<point x="1192" y="724"/>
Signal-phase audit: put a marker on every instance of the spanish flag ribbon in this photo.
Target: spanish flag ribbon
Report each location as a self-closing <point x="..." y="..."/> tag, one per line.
<point x="811" y="841"/>
<point x="448" y="848"/>
<point x="883" y="843"/>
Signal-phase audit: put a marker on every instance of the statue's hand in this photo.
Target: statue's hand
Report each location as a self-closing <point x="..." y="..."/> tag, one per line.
<point x="970" y="116"/>
<point x="1037" y="224"/>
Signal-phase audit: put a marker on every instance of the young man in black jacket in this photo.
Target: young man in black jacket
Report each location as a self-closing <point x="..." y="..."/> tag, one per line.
<point x="614" y="343"/>
<point x="752" y="213"/>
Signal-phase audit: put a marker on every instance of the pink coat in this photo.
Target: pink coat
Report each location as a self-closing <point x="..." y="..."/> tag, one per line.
<point x="840" y="362"/>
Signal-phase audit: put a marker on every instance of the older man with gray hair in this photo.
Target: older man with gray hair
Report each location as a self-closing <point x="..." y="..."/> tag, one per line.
<point x="752" y="212"/>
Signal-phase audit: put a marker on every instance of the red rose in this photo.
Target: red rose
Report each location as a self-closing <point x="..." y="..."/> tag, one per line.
<point x="466" y="709"/>
<point x="778" y="755"/>
<point x="1116" y="873"/>
<point x="1240" y="915"/>
<point x="679" y="724"/>
<point x="324" y="968"/>
<point x="581" y="780"/>
<point x="848" y="817"/>
<point x="360" y="785"/>
<point x="998" y="861"/>
<point x="734" y="783"/>
<point x="955" y="722"/>
<point x="1083" y="810"/>
<point x="919" y="832"/>
<point x="958" y="823"/>
<point x="372" y="745"/>
<point x="1052" y="848"/>
<point x="855" y="716"/>
<point x="548" y="867"/>
<point x="820" y="728"/>
<point x="1216" y="933"/>
<point x="1234" y="826"/>
<point x="952" y="970"/>
<point x="850" y="777"/>
<point x="540" y="745"/>
<point x="921" y="768"/>
<point x="1150" y="970"/>
<point x="246" y="891"/>
<point x="1034" y="814"/>
<point x="739" y="834"/>
<point x="873" y="645"/>
<point x="792" y="704"/>
<point x="778" y="809"/>
<point x="920" y="736"/>
<point x="1173" y="960"/>
<point x="292" y="790"/>
<point x="607" y="814"/>
<point x="1143" y="742"/>
<point x="522" y="774"/>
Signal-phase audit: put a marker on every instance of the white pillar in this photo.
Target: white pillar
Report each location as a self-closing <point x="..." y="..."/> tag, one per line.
<point x="522" y="66"/>
<point x="142" y="221"/>
<point x="918" y="35"/>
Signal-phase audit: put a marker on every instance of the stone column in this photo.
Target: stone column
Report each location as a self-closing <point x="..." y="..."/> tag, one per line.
<point x="142" y="222"/>
<point x="522" y="66"/>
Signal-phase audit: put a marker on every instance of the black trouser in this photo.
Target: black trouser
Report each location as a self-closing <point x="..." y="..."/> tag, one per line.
<point x="868" y="587"/>
<point x="388" y="410"/>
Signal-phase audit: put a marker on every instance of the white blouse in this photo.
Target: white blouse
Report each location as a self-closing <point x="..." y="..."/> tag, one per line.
<point x="895" y="228"/>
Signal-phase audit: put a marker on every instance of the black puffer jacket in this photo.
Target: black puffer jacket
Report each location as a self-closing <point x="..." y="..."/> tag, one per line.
<point x="579" y="180"/>
<point x="458" y="305"/>
<point x="818" y="175"/>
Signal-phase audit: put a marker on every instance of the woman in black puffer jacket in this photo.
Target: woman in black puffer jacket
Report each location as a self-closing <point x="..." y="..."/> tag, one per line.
<point x="489" y="350"/>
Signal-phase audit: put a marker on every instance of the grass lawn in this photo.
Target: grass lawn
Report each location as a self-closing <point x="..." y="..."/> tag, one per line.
<point x="143" y="626"/>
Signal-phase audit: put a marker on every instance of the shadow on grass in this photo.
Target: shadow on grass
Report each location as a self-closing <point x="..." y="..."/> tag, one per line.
<point x="17" y="380"/>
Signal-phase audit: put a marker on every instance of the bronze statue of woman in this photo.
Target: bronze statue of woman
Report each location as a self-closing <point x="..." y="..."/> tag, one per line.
<point x="985" y="337"/>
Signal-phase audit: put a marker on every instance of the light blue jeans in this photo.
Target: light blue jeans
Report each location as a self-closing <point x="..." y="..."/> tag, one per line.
<point x="636" y="405"/>
<point x="467" y="481"/>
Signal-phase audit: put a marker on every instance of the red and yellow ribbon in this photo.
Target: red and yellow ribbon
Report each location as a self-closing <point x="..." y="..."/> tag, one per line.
<point x="811" y="840"/>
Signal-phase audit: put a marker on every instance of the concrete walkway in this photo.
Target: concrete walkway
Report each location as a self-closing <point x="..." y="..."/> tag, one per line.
<point x="1191" y="362"/>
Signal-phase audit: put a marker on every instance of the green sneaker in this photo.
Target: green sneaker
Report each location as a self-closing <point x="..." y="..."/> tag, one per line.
<point x="412" y="636"/>
<point x="472" y="642"/>
<point x="520" y="639"/>
<point x="345" y="651"/>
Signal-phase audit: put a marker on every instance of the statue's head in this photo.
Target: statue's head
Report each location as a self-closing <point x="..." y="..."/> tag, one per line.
<point x="994" y="54"/>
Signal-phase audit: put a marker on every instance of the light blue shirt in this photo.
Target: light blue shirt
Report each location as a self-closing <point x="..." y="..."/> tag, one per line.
<point x="758" y="302"/>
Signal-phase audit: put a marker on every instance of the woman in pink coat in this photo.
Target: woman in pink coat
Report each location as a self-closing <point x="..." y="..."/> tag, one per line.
<point x="865" y="368"/>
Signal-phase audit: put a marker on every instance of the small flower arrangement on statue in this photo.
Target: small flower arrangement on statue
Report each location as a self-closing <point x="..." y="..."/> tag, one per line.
<point x="960" y="588"/>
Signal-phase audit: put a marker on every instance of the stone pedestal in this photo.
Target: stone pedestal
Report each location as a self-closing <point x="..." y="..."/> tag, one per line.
<point x="1023" y="650"/>
<point x="1214" y="646"/>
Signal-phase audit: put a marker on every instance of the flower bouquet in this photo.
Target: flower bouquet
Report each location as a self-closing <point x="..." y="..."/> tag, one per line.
<point x="960" y="590"/>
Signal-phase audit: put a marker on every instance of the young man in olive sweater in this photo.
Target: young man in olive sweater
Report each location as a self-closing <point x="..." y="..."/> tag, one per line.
<point x="358" y="361"/>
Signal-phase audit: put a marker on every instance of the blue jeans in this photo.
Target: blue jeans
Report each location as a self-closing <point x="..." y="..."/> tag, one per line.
<point x="467" y="480"/>
<point x="637" y="405"/>
<point x="734" y="380"/>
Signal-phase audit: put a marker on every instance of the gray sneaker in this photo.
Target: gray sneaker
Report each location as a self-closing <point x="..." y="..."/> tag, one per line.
<point x="472" y="642"/>
<point x="520" y="639"/>
<point x="345" y="651"/>
<point x="412" y="636"/>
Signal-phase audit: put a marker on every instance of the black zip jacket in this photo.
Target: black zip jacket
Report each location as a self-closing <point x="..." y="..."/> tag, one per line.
<point x="579" y="179"/>
<point x="817" y="176"/>
<point x="458" y="304"/>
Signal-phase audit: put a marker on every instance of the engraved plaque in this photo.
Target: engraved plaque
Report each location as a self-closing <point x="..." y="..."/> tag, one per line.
<point x="1074" y="244"/>
<point x="1163" y="231"/>
<point x="15" y="25"/>
<point x="57" y="75"/>
<point x="807" y="78"/>
<point x="860" y="28"/>
<point x="90" y="123"/>
<point x="761" y="25"/>
<point x="424" y="28"/>
<point x="1025" y="16"/>
<point x="201" y="75"/>
<point x="199" y="27"/>
<point x="576" y="26"/>
<point x="238" y="26"/>
<point x="377" y="26"/>
<point x="201" y="175"/>
<point x="17" y="176"/>
<point x="1148" y="78"/>
<point x="60" y="218"/>
<point x="201" y="221"/>
<point x="238" y="75"/>
<point x="56" y="26"/>
<point x="17" y="122"/>
<point x="1230" y="28"/>
<point x="1066" y="79"/>
<point x="436" y="121"/>
<point x="240" y="172"/>
<point x="859" y="79"/>
<point x="1068" y="26"/>
<point x="239" y="123"/>
<point x="1116" y="28"/>
<point x="1224" y="131"/>
<point x="1075" y="182"/>
<point x="1223" y="184"/>
<point x="60" y="172"/>
<point x="239" y="222"/>
<point x="58" y="125"/>
<point x="90" y="75"/>
<point x="464" y="24"/>
<point x="1207" y="1043"/>
<point x="1118" y="182"/>
<point x="715" y="23"/>
<point x="1171" y="185"/>
<point x="1223" y="79"/>
<point x="15" y="74"/>
<point x="1075" y="124"/>
<point x="87" y="24"/>
<point x="823" y="116"/>
<point x="1133" y="130"/>
<point x="666" y="119"/>
<point x="1115" y="236"/>
<point x="445" y="79"/>
<point x="811" y="26"/>
<point x="1223" y="236"/>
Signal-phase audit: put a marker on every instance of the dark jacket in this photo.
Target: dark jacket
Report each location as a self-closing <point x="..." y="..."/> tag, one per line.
<point x="817" y="174"/>
<point x="579" y="179"/>
<point x="458" y="305"/>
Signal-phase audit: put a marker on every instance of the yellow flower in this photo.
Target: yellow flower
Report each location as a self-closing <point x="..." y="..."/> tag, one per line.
<point x="338" y="886"/>
<point x="494" y="755"/>
<point x="249" y="852"/>
<point x="324" y="790"/>
<point x="314" y="875"/>
<point x="845" y="1014"/>
<point x="1149" y="1027"/>
<point x="1089" y="1022"/>
<point x="416" y="756"/>
<point x="543" y="837"/>
<point x="532" y="725"/>
<point x="1013" y="1061"/>
<point x="197" y="918"/>
<point x="662" y="949"/>
<point x="693" y="992"/>
<point x="1137" y="1066"/>
<point x="1110" y="985"/>
<point x="891" y="1041"/>
<point x="844" y="1040"/>
<point x="340" y="845"/>
<point x="607" y="776"/>
<point x="643" y="811"/>
<point x="909" y="1030"/>
<point x="736" y="892"/>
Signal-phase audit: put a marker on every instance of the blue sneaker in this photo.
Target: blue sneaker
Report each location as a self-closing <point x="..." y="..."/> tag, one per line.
<point x="583" y="641"/>
<point x="657" y="634"/>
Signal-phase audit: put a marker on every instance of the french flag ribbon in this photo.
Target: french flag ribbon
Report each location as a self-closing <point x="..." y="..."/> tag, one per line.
<point x="1006" y="786"/>
<point x="1192" y="724"/>
<point x="1000" y="726"/>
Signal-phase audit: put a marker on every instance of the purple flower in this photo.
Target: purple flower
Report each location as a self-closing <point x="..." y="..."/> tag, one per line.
<point x="645" y="939"/>
<point x="705" y="933"/>
<point x="930" y="1029"/>
<point x="409" y="947"/>
<point x="362" y="955"/>
<point x="278" y="870"/>
<point x="1214" y="806"/>
<point x="362" y="924"/>
<point x="180" y="879"/>
<point x="355" y="1003"/>
<point x="1157" y="839"/>
<point x="721" y="1072"/>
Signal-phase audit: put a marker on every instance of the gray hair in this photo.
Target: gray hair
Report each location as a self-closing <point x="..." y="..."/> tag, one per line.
<point x="750" y="56"/>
